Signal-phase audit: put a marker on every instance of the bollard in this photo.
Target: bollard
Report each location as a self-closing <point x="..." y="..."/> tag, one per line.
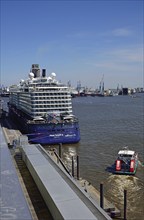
<point x="77" y="167"/>
<point x="72" y="166"/>
<point x="125" y="203"/>
<point x="101" y="196"/>
<point x="60" y="152"/>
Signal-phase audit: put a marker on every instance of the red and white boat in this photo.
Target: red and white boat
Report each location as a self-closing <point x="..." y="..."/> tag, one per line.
<point x="127" y="162"/>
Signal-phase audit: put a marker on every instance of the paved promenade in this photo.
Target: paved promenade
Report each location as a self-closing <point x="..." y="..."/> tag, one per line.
<point x="13" y="205"/>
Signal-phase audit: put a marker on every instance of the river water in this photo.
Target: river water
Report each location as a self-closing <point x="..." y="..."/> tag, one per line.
<point x="107" y="124"/>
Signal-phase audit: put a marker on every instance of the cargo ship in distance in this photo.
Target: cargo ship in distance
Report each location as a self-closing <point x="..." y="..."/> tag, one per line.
<point x="42" y="107"/>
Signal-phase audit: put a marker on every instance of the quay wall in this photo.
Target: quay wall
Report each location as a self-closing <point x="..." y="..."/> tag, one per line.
<point x="62" y="195"/>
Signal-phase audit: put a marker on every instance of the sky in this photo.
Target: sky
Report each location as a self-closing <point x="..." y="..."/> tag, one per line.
<point x="78" y="40"/>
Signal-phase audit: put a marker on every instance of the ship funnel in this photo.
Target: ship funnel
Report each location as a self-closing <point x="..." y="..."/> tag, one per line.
<point x="43" y="72"/>
<point x="35" y="70"/>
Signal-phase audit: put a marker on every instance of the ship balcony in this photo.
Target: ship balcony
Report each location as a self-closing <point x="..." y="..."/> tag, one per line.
<point x="51" y="98"/>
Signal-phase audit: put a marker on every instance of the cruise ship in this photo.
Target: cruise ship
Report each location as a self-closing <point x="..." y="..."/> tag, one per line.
<point x="42" y="107"/>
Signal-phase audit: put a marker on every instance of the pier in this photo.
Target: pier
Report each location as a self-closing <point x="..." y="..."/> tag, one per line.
<point x="64" y="196"/>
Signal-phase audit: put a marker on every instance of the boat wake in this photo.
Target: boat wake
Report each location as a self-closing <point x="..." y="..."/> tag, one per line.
<point x="115" y="186"/>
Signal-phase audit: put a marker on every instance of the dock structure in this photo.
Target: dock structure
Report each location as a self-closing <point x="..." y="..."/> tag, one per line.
<point x="13" y="204"/>
<point x="63" y="196"/>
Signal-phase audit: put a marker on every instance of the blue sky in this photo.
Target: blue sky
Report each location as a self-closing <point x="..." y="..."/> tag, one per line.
<point x="78" y="40"/>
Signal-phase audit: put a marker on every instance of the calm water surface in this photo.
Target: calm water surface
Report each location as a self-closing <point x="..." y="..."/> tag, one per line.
<point x="107" y="124"/>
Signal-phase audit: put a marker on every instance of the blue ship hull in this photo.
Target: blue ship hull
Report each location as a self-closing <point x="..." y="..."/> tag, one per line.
<point x="47" y="133"/>
<point x="54" y="133"/>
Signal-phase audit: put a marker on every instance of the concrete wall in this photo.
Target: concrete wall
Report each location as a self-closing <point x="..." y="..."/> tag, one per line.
<point x="64" y="199"/>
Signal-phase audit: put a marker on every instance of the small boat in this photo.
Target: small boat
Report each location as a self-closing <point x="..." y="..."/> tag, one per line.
<point x="127" y="162"/>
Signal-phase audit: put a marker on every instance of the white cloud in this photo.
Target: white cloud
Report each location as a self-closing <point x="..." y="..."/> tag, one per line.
<point x="131" y="54"/>
<point x="117" y="32"/>
<point x="110" y="58"/>
<point x="121" y="32"/>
